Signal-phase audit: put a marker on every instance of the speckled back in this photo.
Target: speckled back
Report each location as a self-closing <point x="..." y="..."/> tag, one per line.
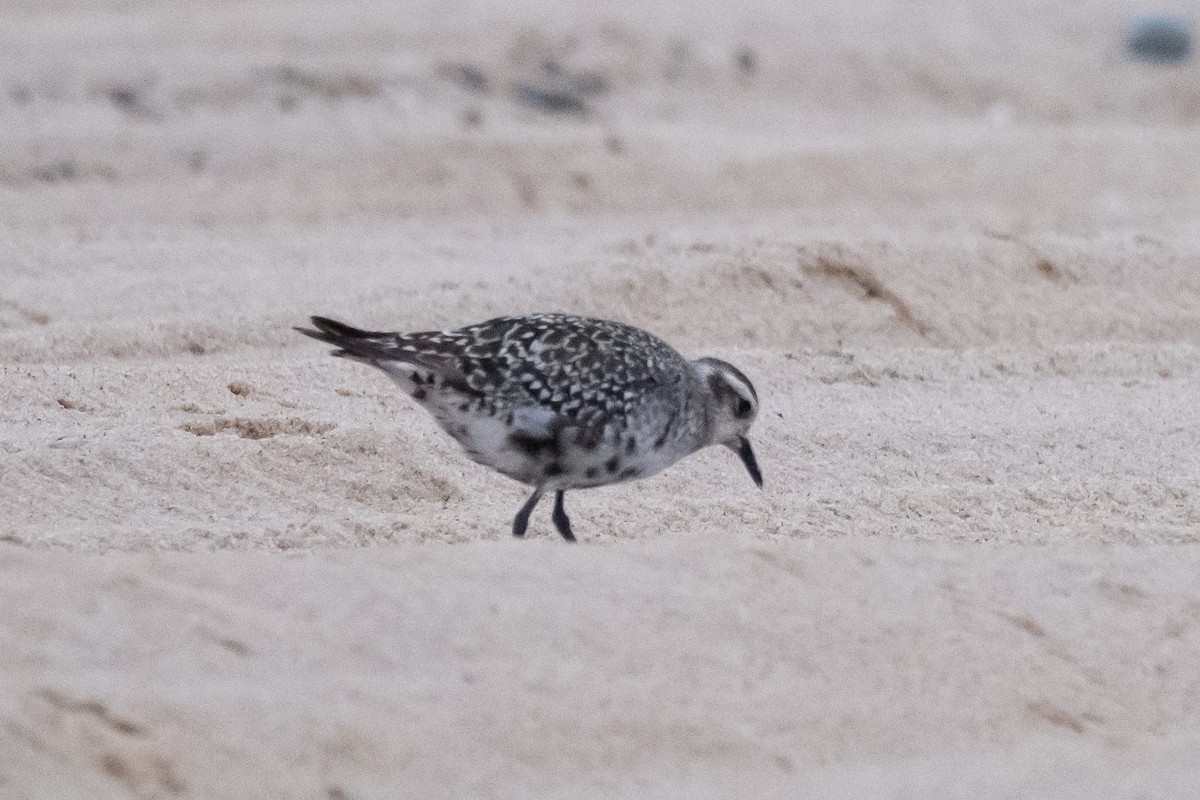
<point x="565" y="362"/>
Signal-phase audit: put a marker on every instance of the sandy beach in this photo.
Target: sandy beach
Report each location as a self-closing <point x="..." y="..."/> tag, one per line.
<point x="955" y="246"/>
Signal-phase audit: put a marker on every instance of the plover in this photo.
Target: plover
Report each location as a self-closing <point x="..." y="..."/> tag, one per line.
<point x="561" y="402"/>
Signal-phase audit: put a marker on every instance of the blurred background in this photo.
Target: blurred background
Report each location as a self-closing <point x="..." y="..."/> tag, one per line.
<point x="1074" y="115"/>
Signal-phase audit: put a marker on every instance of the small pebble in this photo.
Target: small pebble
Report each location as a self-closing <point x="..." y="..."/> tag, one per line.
<point x="1159" y="39"/>
<point x="556" y="101"/>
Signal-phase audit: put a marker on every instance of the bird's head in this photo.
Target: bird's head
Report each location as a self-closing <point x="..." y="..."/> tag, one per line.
<point x="732" y="407"/>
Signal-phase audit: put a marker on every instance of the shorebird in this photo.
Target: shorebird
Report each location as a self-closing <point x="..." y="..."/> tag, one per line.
<point x="560" y="402"/>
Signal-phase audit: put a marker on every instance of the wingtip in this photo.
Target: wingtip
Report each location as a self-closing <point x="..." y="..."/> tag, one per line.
<point x="350" y="343"/>
<point x="331" y="331"/>
<point x="309" y="332"/>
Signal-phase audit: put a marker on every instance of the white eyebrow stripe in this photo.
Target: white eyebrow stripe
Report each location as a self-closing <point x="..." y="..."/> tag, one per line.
<point x="743" y="389"/>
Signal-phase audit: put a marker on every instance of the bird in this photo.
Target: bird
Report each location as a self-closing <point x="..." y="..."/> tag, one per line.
<point x="561" y="402"/>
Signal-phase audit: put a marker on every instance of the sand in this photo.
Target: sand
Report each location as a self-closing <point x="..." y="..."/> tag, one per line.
<point x="954" y="246"/>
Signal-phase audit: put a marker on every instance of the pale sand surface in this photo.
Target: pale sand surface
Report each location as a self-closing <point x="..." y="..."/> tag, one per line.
<point x="955" y="246"/>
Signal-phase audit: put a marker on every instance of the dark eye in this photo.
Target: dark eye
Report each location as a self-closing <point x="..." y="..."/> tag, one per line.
<point x="743" y="408"/>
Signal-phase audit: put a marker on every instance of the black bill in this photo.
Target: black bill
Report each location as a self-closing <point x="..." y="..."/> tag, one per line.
<point x="746" y="454"/>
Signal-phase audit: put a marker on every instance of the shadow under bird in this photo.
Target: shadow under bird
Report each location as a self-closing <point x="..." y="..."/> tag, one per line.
<point x="561" y="402"/>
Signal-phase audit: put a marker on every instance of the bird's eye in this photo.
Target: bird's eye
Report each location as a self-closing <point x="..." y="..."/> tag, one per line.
<point x="743" y="408"/>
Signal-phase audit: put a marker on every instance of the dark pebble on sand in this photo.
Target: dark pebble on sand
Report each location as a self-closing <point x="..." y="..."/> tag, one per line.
<point x="1160" y="39"/>
<point x="554" y="101"/>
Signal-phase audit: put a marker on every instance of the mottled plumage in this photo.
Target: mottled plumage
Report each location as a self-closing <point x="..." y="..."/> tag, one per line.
<point x="561" y="402"/>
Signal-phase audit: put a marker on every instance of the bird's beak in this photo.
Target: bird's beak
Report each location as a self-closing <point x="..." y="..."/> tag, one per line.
<point x="741" y="446"/>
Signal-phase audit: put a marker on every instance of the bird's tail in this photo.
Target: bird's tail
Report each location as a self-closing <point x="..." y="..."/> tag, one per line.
<point x="351" y="342"/>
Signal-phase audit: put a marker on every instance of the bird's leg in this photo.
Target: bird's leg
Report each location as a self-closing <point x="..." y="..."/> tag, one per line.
<point x="521" y="521"/>
<point x="561" y="521"/>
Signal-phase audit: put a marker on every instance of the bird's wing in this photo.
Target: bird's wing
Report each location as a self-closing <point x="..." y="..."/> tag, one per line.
<point x="568" y="364"/>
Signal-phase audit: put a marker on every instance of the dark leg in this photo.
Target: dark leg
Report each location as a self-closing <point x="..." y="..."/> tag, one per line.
<point x="560" y="517"/>
<point x="521" y="521"/>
